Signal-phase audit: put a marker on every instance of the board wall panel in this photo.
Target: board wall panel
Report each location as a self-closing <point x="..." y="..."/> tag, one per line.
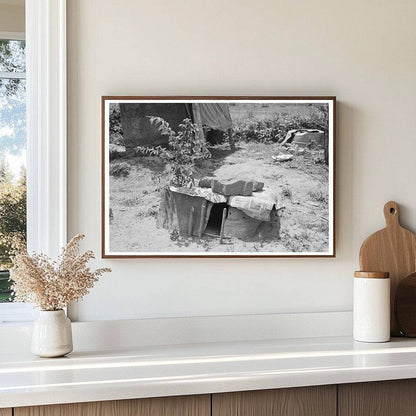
<point x="381" y="398"/>
<point x="160" y="406"/>
<point x="301" y="401"/>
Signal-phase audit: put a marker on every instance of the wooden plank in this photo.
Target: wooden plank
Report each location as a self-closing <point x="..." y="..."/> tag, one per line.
<point x="202" y="218"/>
<point x="301" y="401"/>
<point x="198" y="121"/>
<point x="224" y="216"/>
<point x="381" y="398"/>
<point x="191" y="221"/>
<point x="5" y="412"/>
<point x="160" y="406"/>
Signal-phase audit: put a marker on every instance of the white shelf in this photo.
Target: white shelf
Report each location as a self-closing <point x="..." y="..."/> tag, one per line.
<point x="150" y="371"/>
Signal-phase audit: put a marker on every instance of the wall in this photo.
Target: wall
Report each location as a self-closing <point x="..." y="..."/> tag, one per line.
<point x="362" y="52"/>
<point x="12" y="18"/>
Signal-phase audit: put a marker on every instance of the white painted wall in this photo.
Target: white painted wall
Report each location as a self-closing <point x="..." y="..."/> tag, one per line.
<point x="361" y="51"/>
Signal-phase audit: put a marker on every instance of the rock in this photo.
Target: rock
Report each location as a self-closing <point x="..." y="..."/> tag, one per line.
<point x="206" y="182"/>
<point x="116" y="150"/>
<point x="282" y="158"/>
<point x="229" y="188"/>
<point x="258" y="186"/>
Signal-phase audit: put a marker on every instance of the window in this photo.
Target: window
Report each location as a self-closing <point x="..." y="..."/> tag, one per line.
<point x="45" y="89"/>
<point x="12" y="153"/>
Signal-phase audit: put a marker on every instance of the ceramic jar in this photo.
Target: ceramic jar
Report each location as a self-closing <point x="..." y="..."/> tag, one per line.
<point x="371" y="312"/>
<point x="52" y="334"/>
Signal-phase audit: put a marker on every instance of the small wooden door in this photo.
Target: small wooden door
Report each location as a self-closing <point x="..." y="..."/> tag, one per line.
<point x="381" y="398"/>
<point x="160" y="406"/>
<point x="5" y="412"/>
<point x="301" y="401"/>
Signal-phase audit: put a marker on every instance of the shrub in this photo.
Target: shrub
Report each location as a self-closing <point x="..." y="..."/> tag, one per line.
<point x="185" y="148"/>
<point x="286" y="192"/>
<point x="318" y="195"/>
<point x="275" y="128"/>
<point x="120" y="169"/>
<point x="116" y="131"/>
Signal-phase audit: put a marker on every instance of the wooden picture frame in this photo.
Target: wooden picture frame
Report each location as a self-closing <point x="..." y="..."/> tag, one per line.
<point x="269" y="181"/>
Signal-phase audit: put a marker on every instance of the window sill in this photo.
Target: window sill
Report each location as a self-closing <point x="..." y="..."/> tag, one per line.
<point x="16" y="313"/>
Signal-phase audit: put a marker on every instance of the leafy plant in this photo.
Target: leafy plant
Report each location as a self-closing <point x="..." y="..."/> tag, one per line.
<point x="120" y="169"/>
<point x="185" y="148"/>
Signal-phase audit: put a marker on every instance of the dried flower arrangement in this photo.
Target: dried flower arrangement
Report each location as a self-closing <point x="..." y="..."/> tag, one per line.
<point x="53" y="285"/>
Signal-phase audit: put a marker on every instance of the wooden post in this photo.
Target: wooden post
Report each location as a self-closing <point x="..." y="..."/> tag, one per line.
<point x="326" y="147"/>
<point x="198" y="120"/>
<point x="191" y="221"/>
<point x="224" y="214"/>
<point x="202" y="219"/>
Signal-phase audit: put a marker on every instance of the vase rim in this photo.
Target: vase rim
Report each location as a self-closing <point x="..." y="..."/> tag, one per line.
<point x="57" y="310"/>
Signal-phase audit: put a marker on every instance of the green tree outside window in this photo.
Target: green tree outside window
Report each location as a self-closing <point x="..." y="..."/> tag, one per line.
<point x="12" y="148"/>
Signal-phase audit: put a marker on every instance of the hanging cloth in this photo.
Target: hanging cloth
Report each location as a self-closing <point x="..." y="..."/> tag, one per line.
<point x="216" y="116"/>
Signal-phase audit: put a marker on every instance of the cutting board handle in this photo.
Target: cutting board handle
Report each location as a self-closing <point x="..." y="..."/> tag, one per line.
<point x="391" y="213"/>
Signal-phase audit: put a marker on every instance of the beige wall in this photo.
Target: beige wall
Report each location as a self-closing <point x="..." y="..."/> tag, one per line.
<point x="361" y="51"/>
<point x="12" y="18"/>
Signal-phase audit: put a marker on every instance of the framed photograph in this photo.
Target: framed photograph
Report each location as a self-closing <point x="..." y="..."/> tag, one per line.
<point x="218" y="177"/>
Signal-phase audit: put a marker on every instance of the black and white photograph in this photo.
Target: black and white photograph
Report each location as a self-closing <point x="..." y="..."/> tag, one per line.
<point x="218" y="176"/>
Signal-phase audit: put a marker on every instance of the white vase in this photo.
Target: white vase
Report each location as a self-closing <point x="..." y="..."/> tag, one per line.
<point x="52" y="334"/>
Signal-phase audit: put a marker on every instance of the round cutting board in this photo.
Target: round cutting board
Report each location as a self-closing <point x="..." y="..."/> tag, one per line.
<point x="393" y="250"/>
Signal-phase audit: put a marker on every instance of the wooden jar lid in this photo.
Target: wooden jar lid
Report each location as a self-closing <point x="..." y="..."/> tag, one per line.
<point x="372" y="275"/>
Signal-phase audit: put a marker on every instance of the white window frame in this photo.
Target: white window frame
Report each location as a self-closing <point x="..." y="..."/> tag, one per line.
<point x="46" y="128"/>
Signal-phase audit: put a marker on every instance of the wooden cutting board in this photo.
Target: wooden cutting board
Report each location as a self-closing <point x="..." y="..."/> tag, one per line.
<point x="393" y="250"/>
<point x="405" y="306"/>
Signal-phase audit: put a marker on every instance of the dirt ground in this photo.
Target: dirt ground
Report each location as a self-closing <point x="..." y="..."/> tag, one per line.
<point x="300" y="185"/>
